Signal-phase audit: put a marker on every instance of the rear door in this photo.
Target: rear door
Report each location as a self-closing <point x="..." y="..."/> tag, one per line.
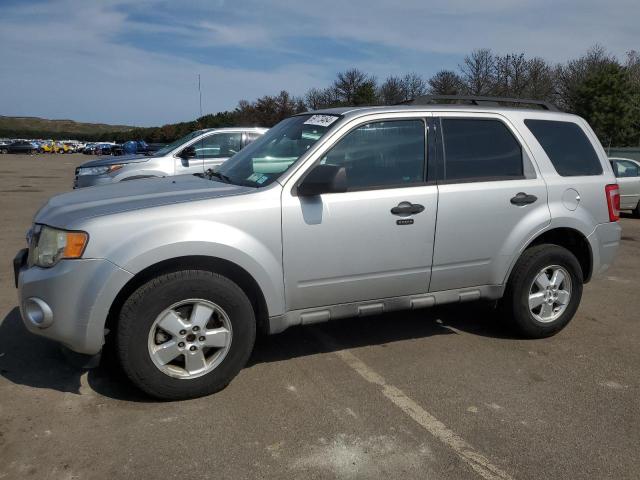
<point x="628" y="174"/>
<point x="491" y="200"/>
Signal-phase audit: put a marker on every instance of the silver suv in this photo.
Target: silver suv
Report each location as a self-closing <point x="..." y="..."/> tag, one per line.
<point x="332" y="214"/>
<point x="194" y="153"/>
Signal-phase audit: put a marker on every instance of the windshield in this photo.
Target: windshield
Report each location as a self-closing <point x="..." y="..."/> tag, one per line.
<point x="173" y="145"/>
<point x="264" y="160"/>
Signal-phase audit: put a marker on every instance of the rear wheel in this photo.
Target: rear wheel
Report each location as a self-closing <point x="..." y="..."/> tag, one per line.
<point x="544" y="291"/>
<point x="185" y="334"/>
<point x="4" y="150"/>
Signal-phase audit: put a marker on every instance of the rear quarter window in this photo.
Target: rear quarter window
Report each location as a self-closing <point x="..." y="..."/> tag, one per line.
<point x="567" y="146"/>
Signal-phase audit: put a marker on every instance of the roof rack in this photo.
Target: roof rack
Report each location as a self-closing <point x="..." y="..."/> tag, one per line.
<point x="475" y="100"/>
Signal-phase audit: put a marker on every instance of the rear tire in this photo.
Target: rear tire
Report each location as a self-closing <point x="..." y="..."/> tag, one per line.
<point x="161" y="320"/>
<point x="636" y="211"/>
<point x="543" y="292"/>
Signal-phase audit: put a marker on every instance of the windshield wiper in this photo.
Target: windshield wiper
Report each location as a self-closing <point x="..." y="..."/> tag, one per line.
<point x="211" y="173"/>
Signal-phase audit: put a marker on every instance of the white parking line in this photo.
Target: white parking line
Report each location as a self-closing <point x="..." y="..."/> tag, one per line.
<point x="479" y="463"/>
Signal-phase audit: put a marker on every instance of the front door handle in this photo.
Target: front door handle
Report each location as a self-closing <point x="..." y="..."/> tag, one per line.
<point x="522" y="199"/>
<point x="404" y="209"/>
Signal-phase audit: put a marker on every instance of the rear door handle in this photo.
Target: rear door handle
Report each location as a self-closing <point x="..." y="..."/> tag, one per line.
<point x="404" y="209"/>
<point x="523" y="199"/>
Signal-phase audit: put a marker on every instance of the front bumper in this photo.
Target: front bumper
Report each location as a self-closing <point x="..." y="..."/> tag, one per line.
<point x="604" y="241"/>
<point x="69" y="302"/>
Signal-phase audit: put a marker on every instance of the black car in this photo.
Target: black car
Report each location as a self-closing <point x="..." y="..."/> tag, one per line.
<point x="19" y="146"/>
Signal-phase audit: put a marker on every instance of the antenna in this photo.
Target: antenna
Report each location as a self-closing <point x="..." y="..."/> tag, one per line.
<point x="200" y="94"/>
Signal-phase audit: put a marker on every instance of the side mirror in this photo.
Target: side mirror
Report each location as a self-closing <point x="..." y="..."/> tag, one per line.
<point x="323" y="179"/>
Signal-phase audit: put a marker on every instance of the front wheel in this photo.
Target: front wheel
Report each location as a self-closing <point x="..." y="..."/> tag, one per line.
<point x="544" y="291"/>
<point x="185" y="334"/>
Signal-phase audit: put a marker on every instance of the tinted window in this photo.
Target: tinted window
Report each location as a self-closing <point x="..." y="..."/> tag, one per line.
<point x="381" y="154"/>
<point x="219" y="145"/>
<point x="624" y="168"/>
<point x="567" y="147"/>
<point x="479" y="149"/>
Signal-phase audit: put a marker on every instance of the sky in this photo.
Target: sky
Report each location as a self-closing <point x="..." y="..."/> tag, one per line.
<point x="136" y="62"/>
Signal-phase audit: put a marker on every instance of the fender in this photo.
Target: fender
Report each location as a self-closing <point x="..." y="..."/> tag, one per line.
<point x="154" y="242"/>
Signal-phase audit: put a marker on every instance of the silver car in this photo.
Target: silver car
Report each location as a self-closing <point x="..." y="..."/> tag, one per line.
<point x="627" y="172"/>
<point x="194" y="153"/>
<point x="331" y="214"/>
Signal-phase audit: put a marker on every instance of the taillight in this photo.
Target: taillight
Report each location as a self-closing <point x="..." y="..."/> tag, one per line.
<point x="613" y="201"/>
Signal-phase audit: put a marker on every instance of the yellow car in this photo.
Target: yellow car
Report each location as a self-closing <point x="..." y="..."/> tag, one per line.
<point x="54" y="147"/>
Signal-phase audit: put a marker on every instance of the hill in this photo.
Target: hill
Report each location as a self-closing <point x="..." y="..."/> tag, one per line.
<point x="35" y="127"/>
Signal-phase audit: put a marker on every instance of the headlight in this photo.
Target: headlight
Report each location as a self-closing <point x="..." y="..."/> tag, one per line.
<point x="49" y="245"/>
<point x="99" y="170"/>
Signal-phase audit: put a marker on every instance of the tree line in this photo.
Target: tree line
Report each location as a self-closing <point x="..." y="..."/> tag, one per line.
<point x="597" y="86"/>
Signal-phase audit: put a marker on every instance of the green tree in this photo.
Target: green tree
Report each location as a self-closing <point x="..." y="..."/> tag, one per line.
<point x="606" y="99"/>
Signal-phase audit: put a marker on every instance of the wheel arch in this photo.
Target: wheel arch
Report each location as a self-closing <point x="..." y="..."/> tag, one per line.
<point x="221" y="266"/>
<point x="571" y="239"/>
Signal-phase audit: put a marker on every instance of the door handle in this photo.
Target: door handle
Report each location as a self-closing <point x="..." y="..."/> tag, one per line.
<point x="522" y="199"/>
<point x="404" y="209"/>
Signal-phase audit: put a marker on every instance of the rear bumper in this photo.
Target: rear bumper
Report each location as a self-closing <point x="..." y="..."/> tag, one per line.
<point x="69" y="302"/>
<point x="604" y="241"/>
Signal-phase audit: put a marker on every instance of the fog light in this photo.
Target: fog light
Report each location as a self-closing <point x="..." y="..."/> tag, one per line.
<point x="38" y="312"/>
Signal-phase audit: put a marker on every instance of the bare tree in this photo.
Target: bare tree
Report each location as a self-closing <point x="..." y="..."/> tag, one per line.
<point x="478" y="72"/>
<point x="391" y="91"/>
<point x="316" y="98"/>
<point x="413" y="85"/>
<point x="510" y="75"/>
<point x="352" y="85"/>
<point x="445" y="82"/>
<point x="540" y="80"/>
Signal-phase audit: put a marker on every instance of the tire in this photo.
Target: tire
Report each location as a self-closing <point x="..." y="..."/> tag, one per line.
<point x="515" y="305"/>
<point x="636" y="211"/>
<point x="142" y="313"/>
<point x="4" y="151"/>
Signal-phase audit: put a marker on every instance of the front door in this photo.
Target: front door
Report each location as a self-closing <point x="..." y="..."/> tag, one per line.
<point x="373" y="241"/>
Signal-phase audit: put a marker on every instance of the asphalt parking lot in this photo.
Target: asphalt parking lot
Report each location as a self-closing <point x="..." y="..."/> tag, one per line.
<point x="444" y="393"/>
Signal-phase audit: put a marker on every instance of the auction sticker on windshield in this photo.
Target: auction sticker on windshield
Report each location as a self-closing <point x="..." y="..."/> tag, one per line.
<point x="321" y="120"/>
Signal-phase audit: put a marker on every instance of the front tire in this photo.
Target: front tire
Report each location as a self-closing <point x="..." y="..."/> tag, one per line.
<point x="543" y="292"/>
<point x="185" y="334"/>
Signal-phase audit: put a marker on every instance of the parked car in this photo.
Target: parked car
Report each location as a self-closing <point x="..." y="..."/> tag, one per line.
<point x="193" y="153"/>
<point x="19" y="146"/>
<point x="627" y="172"/>
<point x="331" y="214"/>
<point x="89" y="148"/>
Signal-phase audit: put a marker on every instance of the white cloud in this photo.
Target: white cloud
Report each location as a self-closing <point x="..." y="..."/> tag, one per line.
<point x="67" y="58"/>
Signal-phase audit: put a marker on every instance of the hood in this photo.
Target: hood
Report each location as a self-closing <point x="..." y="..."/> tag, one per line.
<point x="65" y="210"/>
<point x="103" y="161"/>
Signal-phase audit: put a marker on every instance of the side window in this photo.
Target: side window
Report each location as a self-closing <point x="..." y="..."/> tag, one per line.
<point x="566" y="145"/>
<point x="250" y="137"/>
<point x="219" y="145"/>
<point x="379" y="154"/>
<point x="480" y="150"/>
<point x="625" y="168"/>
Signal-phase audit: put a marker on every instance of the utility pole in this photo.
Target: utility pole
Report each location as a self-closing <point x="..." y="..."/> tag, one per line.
<point x="200" y="94"/>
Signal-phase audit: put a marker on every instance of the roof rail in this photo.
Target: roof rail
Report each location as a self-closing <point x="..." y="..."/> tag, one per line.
<point x="475" y="100"/>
